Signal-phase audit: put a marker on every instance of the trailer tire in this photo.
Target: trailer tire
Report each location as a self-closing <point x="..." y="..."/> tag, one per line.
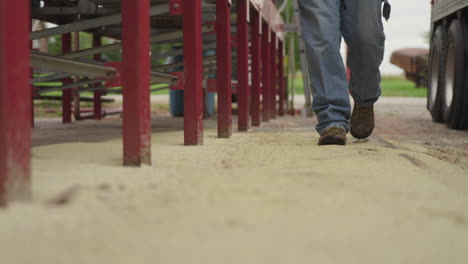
<point x="453" y="95"/>
<point x="436" y="73"/>
<point x="464" y="115"/>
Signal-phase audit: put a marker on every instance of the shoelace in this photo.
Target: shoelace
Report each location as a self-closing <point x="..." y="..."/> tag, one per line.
<point x="333" y="131"/>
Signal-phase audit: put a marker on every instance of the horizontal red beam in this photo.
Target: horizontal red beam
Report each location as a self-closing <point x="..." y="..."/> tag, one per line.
<point x="270" y="14"/>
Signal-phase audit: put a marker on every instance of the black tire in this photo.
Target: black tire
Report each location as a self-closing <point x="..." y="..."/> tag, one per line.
<point x="436" y="73"/>
<point x="463" y="124"/>
<point x="453" y="95"/>
<point x="464" y="115"/>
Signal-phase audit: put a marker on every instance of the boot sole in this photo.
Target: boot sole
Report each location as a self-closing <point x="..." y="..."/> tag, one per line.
<point x="332" y="140"/>
<point x="361" y="136"/>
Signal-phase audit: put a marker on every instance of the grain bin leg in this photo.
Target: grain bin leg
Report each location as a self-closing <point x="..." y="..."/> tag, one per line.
<point x="273" y="69"/>
<point x="15" y="101"/>
<point x="243" y="92"/>
<point x="67" y="95"/>
<point x="256" y="68"/>
<point x="136" y="82"/>
<point x="223" y="61"/>
<point x="266" y="99"/>
<point x="193" y="73"/>
<point x="97" y="100"/>
<point x="76" y="79"/>
<point x="32" y="76"/>
<point x="282" y="90"/>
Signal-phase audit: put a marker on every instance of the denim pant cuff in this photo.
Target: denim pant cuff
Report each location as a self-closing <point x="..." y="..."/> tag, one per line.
<point x="366" y="103"/>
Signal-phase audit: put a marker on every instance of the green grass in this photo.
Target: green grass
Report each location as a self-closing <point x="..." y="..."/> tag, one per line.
<point x="391" y="86"/>
<point x="399" y="86"/>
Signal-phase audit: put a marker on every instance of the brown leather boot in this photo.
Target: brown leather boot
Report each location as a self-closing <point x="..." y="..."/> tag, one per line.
<point x="333" y="136"/>
<point x="362" y="121"/>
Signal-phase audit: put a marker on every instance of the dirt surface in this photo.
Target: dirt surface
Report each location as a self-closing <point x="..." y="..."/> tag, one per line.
<point x="406" y="120"/>
<point x="267" y="196"/>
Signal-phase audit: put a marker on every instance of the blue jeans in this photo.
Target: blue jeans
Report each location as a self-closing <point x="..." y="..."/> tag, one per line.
<point x="324" y="23"/>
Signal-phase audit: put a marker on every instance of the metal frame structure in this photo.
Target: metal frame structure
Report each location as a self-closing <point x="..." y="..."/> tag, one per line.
<point x="251" y="45"/>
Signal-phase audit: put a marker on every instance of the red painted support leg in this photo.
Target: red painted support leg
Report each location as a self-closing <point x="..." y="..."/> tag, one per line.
<point x="193" y="92"/>
<point x="15" y="101"/>
<point x="273" y="79"/>
<point x="136" y="82"/>
<point x="223" y="60"/>
<point x="266" y="99"/>
<point x="32" y="76"/>
<point x="67" y="95"/>
<point x="97" y="102"/>
<point x="76" y="99"/>
<point x="243" y="92"/>
<point x="256" y="69"/>
<point x="282" y="90"/>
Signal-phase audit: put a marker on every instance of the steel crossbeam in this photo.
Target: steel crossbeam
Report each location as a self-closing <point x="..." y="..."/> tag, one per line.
<point x="67" y="86"/>
<point x="92" y="23"/>
<point x="270" y="14"/>
<point x="56" y="11"/>
<point x="50" y="77"/>
<point x="161" y="38"/>
<point x="58" y="64"/>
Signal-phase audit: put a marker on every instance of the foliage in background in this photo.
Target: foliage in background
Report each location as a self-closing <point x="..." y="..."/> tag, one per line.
<point x="288" y="17"/>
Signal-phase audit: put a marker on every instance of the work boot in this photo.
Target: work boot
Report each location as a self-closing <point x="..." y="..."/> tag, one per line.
<point x="362" y="121"/>
<point x="333" y="136"/>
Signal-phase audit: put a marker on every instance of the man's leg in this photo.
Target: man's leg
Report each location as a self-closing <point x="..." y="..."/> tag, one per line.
<point x="322" y="36"/>
<point x="363" y="33"/>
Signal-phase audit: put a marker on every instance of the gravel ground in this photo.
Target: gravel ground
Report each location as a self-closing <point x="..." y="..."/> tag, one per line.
<point x="267" y="196"/>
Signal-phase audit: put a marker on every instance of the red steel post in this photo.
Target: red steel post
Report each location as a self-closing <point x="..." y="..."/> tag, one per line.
<point x="76" y="79"/>
<point x="273" y="79"/>
<point x="243" y="92"/>
<point x="15" y="101"/>
<point x="282" y="90"/>
<point x="266" y="99"/>
<point x="223" y="61"/>
<point x="32" y="76"/>
<point x="67" y="95"/>
<point x="97" y="101"/>
<point x="256" y="68"/>
<point x="193" y="72"/>
<point x="136" y="82"/>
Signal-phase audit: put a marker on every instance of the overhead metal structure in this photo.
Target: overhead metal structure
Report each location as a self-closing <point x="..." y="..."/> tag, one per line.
<point x="245" y="36"/>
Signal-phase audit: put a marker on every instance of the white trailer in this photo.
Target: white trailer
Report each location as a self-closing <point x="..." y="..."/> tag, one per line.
<point x="447" y="98"/>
